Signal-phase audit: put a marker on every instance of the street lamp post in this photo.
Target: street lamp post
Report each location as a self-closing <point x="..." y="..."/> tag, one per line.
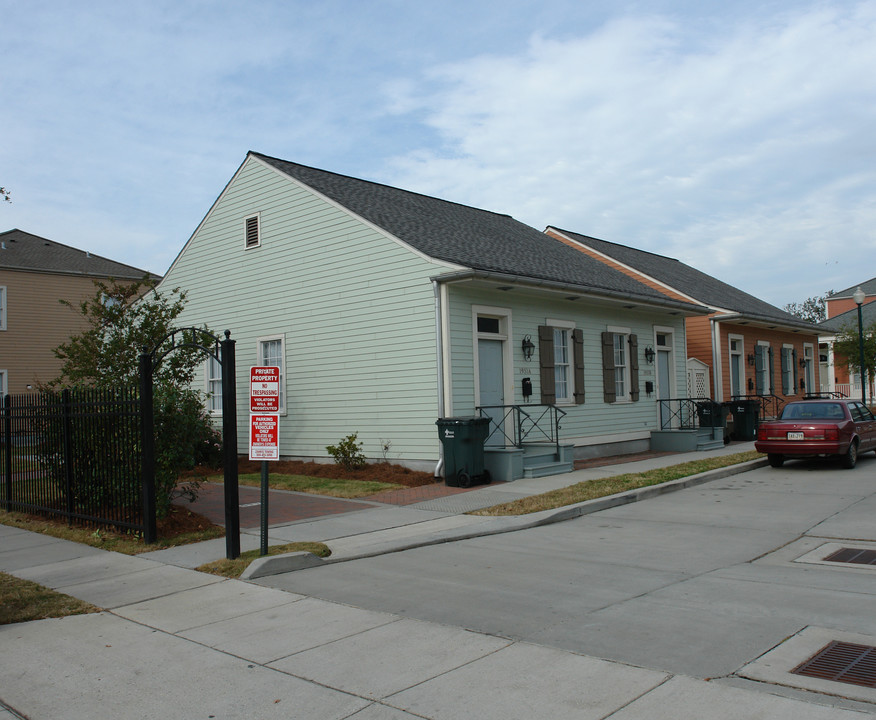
<point x="859" y="300"/>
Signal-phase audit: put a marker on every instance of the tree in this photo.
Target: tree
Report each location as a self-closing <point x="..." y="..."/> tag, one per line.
<point x="6" y="194"/>
<point x="847" y="345"/>
<point x="813" y="309"/>
<point x="122" y="320"/>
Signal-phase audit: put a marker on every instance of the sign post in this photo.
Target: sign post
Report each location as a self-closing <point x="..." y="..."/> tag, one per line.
<point x="264" y="431"/>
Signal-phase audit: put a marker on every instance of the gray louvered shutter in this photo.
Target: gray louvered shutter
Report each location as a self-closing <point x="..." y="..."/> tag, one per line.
<point x="578" y="359"/>
<point x="609" y="393"/>
<point x="546" y="365"/>
<point x="634" y="368"/>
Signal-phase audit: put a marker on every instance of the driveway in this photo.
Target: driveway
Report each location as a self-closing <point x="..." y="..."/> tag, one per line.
<point x="698" y="582"/>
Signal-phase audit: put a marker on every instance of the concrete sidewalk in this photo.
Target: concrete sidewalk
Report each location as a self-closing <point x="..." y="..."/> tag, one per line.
<point x="172" y="642"/>
<point x="379" y="529"/>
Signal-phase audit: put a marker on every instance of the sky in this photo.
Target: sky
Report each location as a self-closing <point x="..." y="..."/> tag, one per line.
<point x="738" y="137"/>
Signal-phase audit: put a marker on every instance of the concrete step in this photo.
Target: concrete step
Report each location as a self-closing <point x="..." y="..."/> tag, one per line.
<point x="710" y="445"/>
<point x="546" y="469"/>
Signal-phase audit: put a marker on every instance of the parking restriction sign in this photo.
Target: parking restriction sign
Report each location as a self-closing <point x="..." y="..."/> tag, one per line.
<point x="264" y="437"/>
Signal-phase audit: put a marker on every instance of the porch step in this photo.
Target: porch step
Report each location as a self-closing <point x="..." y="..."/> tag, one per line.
<point x="543" y="460"/>
<point x="707" y="440"/>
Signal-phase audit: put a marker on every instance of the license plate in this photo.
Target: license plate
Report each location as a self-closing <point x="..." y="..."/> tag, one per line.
<point x="795" y="436"/>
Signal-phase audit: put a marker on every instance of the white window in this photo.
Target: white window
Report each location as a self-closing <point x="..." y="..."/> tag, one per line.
<point x="564" y="375"/>
<point x="737" y="365"/>
<point x="272" y="352"/>
<point x="763" y="368"/>
<point x="3" y="385"/>
<point x="2" y="308"/>
<point x="620" y="365"/>
<point x="214" y="385"/>
<point x="252" y="231"/>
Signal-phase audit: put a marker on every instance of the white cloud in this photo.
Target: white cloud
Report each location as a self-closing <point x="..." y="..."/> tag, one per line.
<point x="746" y="151"/>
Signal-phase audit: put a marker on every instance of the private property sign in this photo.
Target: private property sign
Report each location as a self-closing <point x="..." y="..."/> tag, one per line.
<point x="264" y="437"/>
<point x="264" y="389"/>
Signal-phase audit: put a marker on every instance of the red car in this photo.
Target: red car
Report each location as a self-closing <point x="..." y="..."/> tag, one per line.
<point x="810" y="428"/>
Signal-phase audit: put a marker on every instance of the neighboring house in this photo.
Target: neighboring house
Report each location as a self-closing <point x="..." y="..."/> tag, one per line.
<point x="387" y="310"/>
<point x="842" y="313"/>
<point x="743" y="347"/>
<point x="35" y="274"/>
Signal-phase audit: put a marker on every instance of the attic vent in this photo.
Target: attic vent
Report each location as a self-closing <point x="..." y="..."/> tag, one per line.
<point x="252" y="232"/>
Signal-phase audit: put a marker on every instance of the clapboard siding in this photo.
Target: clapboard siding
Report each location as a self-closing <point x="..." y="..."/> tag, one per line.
<point x="356" y="309"/>
<point x="586" y="423"/>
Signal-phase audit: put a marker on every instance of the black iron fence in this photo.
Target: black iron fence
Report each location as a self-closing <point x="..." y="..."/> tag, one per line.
<point x="75" y="453"/>
<point x="535" y="424"/>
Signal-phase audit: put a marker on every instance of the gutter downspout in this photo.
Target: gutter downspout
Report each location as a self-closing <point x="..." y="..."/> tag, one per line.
<point x="439" y="349"/>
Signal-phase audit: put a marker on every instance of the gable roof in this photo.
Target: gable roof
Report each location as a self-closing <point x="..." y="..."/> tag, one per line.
<point x="691" y="282"/>
<point x="869" y="288"/>
<point x="849" y="319"/>
<point x="483" y="241"/>
<point x="21" y="250"/>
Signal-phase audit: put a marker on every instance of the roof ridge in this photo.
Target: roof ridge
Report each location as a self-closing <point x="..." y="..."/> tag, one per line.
<point x="616" y="244"/>
<point x="380" y="184"/>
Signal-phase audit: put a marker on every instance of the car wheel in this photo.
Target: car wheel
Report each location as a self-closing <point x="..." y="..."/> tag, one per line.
<point x="776" y="460"/>
<point x="850" y="459"/>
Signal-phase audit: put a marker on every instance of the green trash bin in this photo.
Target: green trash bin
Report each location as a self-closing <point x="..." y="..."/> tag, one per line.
<point x="463" y="441"/>
<point x="745" y="418"/>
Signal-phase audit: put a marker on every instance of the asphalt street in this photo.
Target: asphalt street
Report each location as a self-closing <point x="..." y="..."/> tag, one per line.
<point x="699" y="582"/>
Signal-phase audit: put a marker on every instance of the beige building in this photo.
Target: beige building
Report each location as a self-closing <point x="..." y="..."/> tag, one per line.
<point x="35" y="274"/>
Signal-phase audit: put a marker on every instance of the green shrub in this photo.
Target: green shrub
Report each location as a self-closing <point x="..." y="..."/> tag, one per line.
<point x="348" y="453"/>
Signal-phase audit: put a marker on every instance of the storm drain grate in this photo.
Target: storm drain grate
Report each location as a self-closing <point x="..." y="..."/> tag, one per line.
<point x="842" y="662"/>
<point x="853" y="555"/>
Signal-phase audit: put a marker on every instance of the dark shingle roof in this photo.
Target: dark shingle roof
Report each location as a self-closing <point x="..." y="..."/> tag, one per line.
<point x="849" y="319"/>
<point x="869" y="287"/>
<point x="21" y="250"/>
<point x="691" y="282"/>
<point x="466" y="236"/>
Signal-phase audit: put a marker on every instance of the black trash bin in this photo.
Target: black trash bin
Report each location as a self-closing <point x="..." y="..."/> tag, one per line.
<point x="463" y="441"/>
<point x="710" y="413"/>
<point x="745" y="418"/>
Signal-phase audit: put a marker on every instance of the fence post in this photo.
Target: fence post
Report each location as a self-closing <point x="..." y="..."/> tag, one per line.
<point x="147" y="448"/>
<point x="67" y="444"/>
<point x="7" y="439"/>
<point x="229" y="443"/>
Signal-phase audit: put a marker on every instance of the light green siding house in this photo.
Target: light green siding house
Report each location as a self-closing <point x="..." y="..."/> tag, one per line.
<point x="386" y="310"/>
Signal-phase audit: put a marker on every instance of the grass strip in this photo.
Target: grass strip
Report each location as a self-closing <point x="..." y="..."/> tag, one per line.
<point x="603" y="487"/>
<point x="103" y="538"/>
<point x="315" y="485"/>
<point x="234" y="568"/>
<point x="23" y="601"/>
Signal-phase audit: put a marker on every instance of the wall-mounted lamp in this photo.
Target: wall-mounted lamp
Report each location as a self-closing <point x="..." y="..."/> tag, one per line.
<point x="803" y="363"/>
<point x="528" y="347"/>
<point x="751" y="359"/>
<point x="649" y="355"/>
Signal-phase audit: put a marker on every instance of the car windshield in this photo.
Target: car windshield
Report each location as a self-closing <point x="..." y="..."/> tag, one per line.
<point x="813" y="411"/>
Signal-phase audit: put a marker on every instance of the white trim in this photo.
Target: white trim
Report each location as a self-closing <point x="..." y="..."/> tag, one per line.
<point x="569" y="325"/>
<point x="4" y="382"/>
<point x="670" y="350"/>
<point x="284" y="381"/>
<point x="504" y="335"/>
<point x="258" y="219"/>
<point x="446" y="348"/>
<point x="741" y="390"/>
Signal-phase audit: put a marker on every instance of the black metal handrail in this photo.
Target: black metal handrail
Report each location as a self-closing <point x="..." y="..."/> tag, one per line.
<point x="681" y="413"/>
<point x="541" y="424"/>
<point x="832" y="395"/>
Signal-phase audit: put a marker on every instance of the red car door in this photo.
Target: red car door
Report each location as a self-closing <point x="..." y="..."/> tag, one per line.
<point x="865" y="425"/>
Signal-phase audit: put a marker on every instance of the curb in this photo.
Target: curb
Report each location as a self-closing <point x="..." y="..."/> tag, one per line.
<point x="277" y="564"/>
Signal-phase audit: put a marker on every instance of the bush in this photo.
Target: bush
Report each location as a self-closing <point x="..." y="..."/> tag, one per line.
<point x="348" y="453"/>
